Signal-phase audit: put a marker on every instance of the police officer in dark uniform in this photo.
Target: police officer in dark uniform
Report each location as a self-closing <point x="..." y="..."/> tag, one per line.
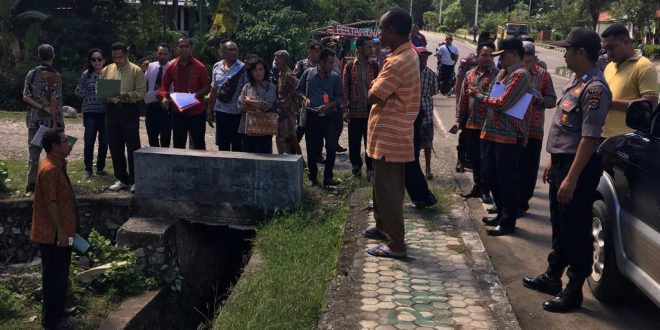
<point x="573" y="172"/>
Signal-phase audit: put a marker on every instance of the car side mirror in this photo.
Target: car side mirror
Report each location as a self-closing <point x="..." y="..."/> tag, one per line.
<point x="639" y="115"/>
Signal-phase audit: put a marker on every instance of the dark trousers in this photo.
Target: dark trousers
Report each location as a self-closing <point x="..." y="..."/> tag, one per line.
<point x="123" y="128"/>
<point x="472" y="145"/>
<point x="446" y="72"/>
<point x="357" y="135"/>
<point x="194" y="125"/>
<point x="317" y="129"/>
<point x="461" y="150"/>
<point x="258" y="144"/>
<point x="501" y="168"/>
<point x="159" y="125"/>
<point x="416" y="185"/>
<point x="94" y="127"/>
<point x="388" y="188"/>
<point x="529" y="169"/>
<point x="340" y="123"/>
<point x="572" y="243"/>
<point x="55" y="263"/>
<point x="226" y="131"/>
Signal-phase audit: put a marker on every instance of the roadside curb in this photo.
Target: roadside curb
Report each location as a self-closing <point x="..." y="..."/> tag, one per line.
<point x="487" y="279"/>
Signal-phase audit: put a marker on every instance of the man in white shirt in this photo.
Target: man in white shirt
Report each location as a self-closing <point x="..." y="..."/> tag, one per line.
<point x="447" y="55"/>
<point x="158" y="118"/>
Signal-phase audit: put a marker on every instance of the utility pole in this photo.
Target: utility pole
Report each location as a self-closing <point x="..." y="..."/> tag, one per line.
<point x="529" y="12"/>
<point x="411" y="8"/>
<point x="440" y="14"/>
<point x="476" y="12"/>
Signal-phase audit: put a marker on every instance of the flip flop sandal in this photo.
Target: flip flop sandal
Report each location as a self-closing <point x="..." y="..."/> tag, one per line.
<point x="374" y="233"/>
<point x="378" y="251"/>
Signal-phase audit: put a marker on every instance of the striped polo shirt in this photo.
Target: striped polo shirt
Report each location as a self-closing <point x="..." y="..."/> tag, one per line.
<point x="390" y="127"/>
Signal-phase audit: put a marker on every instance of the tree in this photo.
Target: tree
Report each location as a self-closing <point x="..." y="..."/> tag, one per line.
<point x="640" y="12"/>
<point x="431" y="20"/>
<point x="595" y="7"/>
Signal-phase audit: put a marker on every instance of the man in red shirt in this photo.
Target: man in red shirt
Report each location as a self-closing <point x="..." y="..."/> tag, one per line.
<point x="186" y="74"/>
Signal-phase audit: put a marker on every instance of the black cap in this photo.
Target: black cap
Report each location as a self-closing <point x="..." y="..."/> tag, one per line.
<point x="313" y="44"/>
<point x="511" y="43"/>
<point x="581" y="38"/>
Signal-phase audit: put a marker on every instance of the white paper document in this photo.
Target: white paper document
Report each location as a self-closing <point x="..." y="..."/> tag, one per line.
<point x="36" y="140"/>
<point x="520" y="108"/>
<point x="184" y="101"/>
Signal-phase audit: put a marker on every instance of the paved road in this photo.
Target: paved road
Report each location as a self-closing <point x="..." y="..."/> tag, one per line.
<point x="525" y="253"/>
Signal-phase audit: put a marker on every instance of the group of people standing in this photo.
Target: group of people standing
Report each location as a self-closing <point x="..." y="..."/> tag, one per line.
<point x="504" y="150"/>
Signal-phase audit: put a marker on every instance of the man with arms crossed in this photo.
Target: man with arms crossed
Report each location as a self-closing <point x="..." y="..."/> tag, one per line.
<point x="395" y="97"/>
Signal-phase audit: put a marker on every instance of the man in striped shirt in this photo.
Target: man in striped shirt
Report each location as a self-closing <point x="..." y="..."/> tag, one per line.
<point x="504" y="135"/>
<point x="395" y="98"/>
<point x="471" y="115"/>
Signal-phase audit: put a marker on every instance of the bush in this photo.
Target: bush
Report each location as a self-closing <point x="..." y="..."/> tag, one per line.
<point x="442" y="28"/>
<point x="652" y="51"/>
<point x="462" y="32"/>
<point x="9" y="305"/>
<point x="121" y="280"/>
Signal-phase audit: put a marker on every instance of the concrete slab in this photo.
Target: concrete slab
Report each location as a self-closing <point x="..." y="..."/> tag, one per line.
<point x="207" y="185"/>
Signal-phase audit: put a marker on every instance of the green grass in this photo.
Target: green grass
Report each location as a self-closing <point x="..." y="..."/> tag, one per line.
<point x="19" y="116"/>
<point x="299" y="256"/>
<point x="21" y="311"/>
<point x="15" y="184"/>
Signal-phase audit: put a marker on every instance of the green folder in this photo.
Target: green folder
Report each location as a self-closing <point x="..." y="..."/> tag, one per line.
<point x="107" y="88"/>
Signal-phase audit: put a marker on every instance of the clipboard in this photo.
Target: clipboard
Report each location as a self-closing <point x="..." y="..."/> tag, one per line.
<point x="107" y="88"/>
<point x="184" y="101"/>
<point x="36" y="140"/>
<point x="519" y="109"/>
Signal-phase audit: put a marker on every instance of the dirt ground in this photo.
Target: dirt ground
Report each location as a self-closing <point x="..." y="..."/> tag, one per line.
<point x="14" y="141"/>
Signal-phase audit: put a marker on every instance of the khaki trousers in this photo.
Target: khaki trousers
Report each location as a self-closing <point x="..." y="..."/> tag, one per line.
<point x="388" y="188"/>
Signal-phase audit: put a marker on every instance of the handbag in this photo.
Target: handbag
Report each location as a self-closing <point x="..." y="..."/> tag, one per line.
<point x="227" y="90"/>
<point x="261" y="123"/>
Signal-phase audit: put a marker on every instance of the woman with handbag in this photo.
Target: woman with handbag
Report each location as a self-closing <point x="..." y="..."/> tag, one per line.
<point x="259" y="117"/>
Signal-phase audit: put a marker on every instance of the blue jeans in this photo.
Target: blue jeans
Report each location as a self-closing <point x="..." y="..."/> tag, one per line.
<point x="95" y="124"/>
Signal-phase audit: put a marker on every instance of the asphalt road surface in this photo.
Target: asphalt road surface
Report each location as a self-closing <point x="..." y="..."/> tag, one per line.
<point x="525" y="252"/>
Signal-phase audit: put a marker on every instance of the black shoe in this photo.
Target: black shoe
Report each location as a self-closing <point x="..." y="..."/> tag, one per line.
<point x="543" y="283"/>
<point x="101" y="173"/>
<point x="487" y="199"/>
<point x="472" y="194"/>
<point x="88" y="174"/>
<point x="567" y="300"/>
<point x="521" y="213"/>
<point x="493" y="222"/>
<point x="428" y="203"/>
<point x="341" y="149"/>
<point x="492" y="210"/>
<point x="499" y="231"/>
<point x="459" y="167"/>
<point x="331" y="183"/>
<point x="357" y="173"/>
<point x="321" y="160"/>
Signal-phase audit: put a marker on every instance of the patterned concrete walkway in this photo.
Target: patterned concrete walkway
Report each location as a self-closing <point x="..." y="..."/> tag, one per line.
<point x="434" y="288"/>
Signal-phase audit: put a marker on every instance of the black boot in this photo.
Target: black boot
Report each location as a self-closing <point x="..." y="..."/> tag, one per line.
<point x="567" y="300"/>
<point x="543" y="283"/>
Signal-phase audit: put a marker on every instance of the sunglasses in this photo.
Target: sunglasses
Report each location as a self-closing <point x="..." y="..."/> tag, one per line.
<point x="97" y="59"/>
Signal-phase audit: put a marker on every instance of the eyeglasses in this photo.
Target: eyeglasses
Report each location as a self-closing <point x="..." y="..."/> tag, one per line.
<point x="96" y="59"/>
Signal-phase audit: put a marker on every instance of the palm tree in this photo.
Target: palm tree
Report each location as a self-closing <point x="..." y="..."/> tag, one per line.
<point x="19" y="26"/>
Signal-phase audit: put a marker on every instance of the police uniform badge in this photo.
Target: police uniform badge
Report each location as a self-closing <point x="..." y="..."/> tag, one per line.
<point x="594" y="98"/>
